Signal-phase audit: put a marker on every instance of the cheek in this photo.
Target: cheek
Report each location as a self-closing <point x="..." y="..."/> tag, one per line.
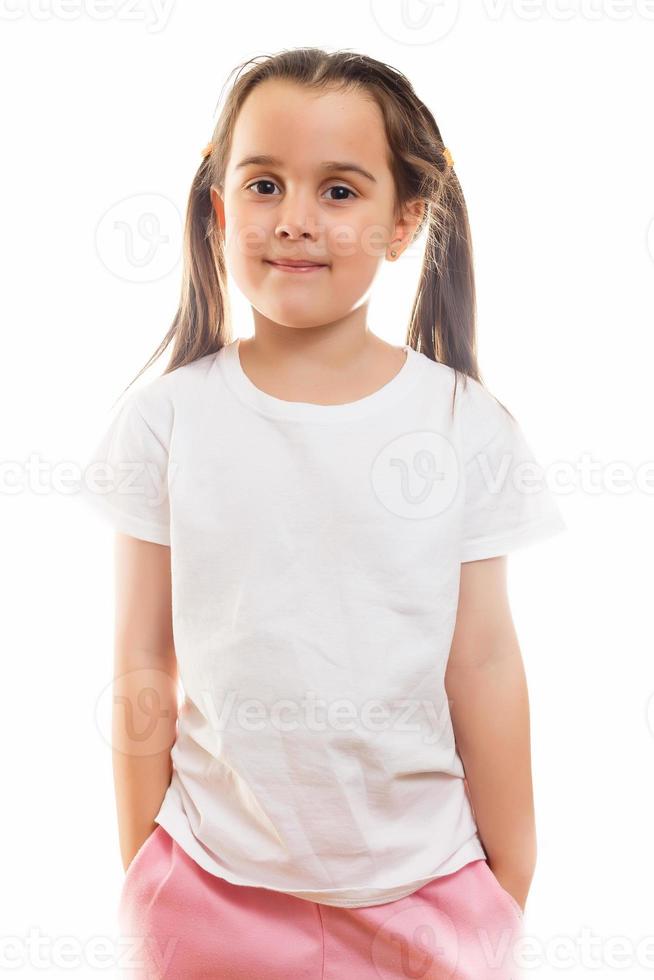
<point x="241" y="255"/>
<point x="249" y="227"/>
<point x="359" y="239"/>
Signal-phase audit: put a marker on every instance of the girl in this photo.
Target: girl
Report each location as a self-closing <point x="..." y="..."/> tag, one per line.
<point x="313" y="527"/>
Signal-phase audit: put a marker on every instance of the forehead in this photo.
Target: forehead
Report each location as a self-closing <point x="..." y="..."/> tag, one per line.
<point x="304" y="126"/>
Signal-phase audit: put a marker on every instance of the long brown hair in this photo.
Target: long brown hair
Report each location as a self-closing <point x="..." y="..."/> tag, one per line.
<point x="443" y="318"/>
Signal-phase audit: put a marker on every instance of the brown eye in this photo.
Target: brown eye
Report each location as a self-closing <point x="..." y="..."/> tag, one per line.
<point x="263" y="181"/>
<point x="270" y="183"/>
<point x="341" y="187"/>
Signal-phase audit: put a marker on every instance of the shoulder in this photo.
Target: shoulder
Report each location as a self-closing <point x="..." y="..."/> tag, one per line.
<point x="436" y="371"/>
<point x="158" y="399"/>
<point x="483" y="417"/>
<point x="479" y="413"/>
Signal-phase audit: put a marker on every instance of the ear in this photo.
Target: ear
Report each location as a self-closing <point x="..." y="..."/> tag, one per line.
<point x="407" y="223"/>
<point x="218" y="207"/>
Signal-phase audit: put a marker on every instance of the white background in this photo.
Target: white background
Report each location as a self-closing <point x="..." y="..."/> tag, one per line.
<point x="546" y="108"/>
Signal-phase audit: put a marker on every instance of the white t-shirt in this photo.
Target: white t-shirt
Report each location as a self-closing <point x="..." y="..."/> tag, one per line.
<point x="315" y="554"/>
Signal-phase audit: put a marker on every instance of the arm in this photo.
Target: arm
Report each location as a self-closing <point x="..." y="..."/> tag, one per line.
<point x="489" y="706"/>
<point x="145" y="688"/>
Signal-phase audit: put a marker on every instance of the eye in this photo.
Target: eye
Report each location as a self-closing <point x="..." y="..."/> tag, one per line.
<point x="341" y="187"/>
<point x="261" y="181"/>
<point x="271" y="183"/>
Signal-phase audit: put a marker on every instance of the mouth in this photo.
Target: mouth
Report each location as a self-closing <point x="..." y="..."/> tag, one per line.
<point x="297" y="266"/>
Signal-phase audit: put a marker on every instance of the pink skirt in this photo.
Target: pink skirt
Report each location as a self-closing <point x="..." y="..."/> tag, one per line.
<point x="181" y="922"/>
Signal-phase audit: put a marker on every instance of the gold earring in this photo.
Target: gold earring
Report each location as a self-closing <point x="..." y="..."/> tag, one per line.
<point x="393" y="253"/>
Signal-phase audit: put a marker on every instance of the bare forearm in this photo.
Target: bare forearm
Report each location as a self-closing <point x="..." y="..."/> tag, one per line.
<point x="144" y="729"/>
<point x="489" y="706"/>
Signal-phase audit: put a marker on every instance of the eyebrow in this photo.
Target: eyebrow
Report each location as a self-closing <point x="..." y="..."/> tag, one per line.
<point x="263" y="159"/>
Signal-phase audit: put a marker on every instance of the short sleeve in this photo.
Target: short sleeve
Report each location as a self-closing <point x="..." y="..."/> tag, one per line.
<point x="125" y="480"/>
<point x="508" y="503"/>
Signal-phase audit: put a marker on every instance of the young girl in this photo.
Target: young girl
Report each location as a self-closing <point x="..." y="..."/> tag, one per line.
<point x="313" y="524"/>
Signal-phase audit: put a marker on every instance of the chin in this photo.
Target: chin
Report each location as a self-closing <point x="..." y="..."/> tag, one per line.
<point x="296" y="319"/>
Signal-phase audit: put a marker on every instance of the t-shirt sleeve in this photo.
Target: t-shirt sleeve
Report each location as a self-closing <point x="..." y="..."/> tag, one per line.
<point x="507" y="503"/>
<point x="126" y="477"/>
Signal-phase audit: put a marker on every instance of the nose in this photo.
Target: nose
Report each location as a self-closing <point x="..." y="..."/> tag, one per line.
<point x="293" y="231"/>
<point x="297" y="219"/>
